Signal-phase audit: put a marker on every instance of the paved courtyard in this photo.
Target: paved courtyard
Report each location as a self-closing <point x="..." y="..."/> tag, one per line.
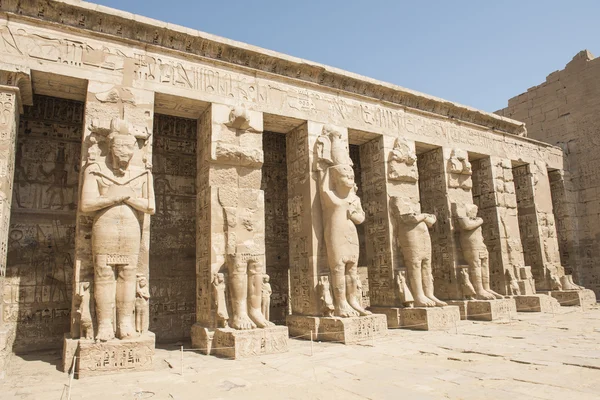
<point x="534" y="356"/>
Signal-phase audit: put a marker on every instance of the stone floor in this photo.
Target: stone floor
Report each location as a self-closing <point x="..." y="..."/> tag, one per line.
<point x="534" y="356"/>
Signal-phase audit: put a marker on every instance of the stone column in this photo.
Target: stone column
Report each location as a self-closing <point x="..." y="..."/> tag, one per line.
<point x="538" y="234"/>
<point x="494" y="194"/>
<point x="230" y="250"/>
<point x="461" y="274"/>
<point x="111" y="282"/>
<point x="15" y="91"/>
<point x="311" y="149"/>
<point x="396" y="246"/>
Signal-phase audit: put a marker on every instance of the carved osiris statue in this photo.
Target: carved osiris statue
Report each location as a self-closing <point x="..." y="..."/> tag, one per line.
<point x="118" y="196"/>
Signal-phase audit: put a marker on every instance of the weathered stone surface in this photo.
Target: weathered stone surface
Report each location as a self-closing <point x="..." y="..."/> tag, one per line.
<point x="114" y="356"/>
<point x="421" y="318"/>
<point x="583" y="298"/>
<point x="335" y="329"/>
<point x="491" y="310"/>
<point x="537" y="303"/>
<point x="233" y="343"/>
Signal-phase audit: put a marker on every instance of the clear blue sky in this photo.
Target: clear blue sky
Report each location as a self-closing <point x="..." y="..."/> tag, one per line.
<point x="477" y="52"/>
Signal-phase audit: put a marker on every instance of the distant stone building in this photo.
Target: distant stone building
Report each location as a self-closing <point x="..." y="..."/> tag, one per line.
<point x="565" y="111"/>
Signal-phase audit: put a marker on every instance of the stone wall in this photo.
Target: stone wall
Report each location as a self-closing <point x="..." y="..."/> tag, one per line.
<point x="274" y="184"/>
<point x="37" y="297"/>
<point x="173" y="228"/>
<point x="563" y="111"/>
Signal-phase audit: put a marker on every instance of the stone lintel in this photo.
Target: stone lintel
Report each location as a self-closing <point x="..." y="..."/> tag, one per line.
<point x="115" y="356"/>
<point x="536" y="303"/>
<point x="342" y="330"/>
<point x="421" y="318"/>
<point x="486" y="310"/>
<point x="234" y="344"/>
<point x="567" y="298"/>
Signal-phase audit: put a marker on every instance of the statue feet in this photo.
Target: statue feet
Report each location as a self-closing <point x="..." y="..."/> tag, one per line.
<point x="438" y="302"/>
<point x="126" y="331"/>
<point x="484" y="295"/>
<point x="242" y="321"/>
<point x="259" y="319"/>
<point x="423" y="301"/>
<point x="344" y="310"/>
<point x="496" y="295"/>
<point x="576" y="286"/>
<point x="356" y="305"/>
<point x="105" y="331"/>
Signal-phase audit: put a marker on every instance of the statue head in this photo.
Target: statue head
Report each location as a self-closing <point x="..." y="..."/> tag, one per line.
<point x="266" y="278"/>
<point x="472" y="210"/>
<point x="459" y="154"/>
<point x="332" y="131"/>
<point x="121" y="146"/>
<point x="142" y="281"/>
<point x="342" y="175"/>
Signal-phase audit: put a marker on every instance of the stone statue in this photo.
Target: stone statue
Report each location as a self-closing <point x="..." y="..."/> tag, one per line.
<point x="341" y="211"/>
<point x="402" y="163"/>
<point x="568" y="284"/>
<point x="402" y="291"/>
<point x="466" y="286"/>
<point x="475" y="251"/>
<point x="459" y="170"/>
<point x="555" y="282"/>
<point x="324" y="296"/>
<point x="118" y="196"/>
<point x="415" y="244"/>
<point x="514" y="287"/>
<point x="266" y="297"/>
<point x="142" y="312"/>
<point x="220" y="299"/>
<point x="86" y="327"/>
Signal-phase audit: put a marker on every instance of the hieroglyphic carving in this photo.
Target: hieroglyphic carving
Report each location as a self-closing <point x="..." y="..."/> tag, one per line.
<point x="173" y="227"/>
<point x="41" y="238"/>
<point x="274" y="183"/>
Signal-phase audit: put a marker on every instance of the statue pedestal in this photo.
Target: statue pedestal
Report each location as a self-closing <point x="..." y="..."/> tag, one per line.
<point x="99" y="358"/>
<point x="233" y="343"/>
<point x="583" y="298"/>
<point x="486" y="310"/>
<point x="333" y="329"/>
<point x="536" y="303"/>
<point x="420" y="318"/>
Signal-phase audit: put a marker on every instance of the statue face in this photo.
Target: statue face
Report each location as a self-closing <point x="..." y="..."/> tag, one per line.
<point x="266" y="278"/>
<point x="143" y="282"/>
<point x="121" y="150"/>
<point x="345" y="176"/>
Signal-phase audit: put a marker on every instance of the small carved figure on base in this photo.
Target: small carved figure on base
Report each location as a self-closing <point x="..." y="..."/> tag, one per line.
<point x="466" y="286"/>
<point x="266" y="297"/>
<point x="324" y="296"/>
<point x="515" y="290"/>
<point x="402" y="291"/>
<point x="220" y="300"/>
<point x="86" y="327"/>
<point x="142" y="312"/>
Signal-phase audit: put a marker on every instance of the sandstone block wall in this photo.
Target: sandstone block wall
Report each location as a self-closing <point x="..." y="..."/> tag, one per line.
<point x="563" y="111"/>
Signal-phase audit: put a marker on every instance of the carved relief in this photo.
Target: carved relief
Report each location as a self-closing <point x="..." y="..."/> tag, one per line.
<point x="219" y="289"/>
<point x="402" y="163"/>
<point x="405" y="297"/>
<point x="468" y="291"/>
<point x="118" y="196"/>
<point x="324" y="295"/>
<point x="142" y="311"/>
<point x="459" y="170"/>
<point x="341" y="208"/>
<point x="266" y="292"/>
<point x="84" y="313"/>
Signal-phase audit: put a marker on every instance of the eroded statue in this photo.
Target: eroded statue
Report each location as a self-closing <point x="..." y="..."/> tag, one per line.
<point x="342" y="210"/>
<point x="402" y="163"/>
<point x="324" y="296"/>
<point x="86" y="326"/>
<point x="475" y="250"/>
<point x="118" y="196"/>
<point x="468" y="291"/>
<point x="459" y="170"/>
<point x="412" y="232"/>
